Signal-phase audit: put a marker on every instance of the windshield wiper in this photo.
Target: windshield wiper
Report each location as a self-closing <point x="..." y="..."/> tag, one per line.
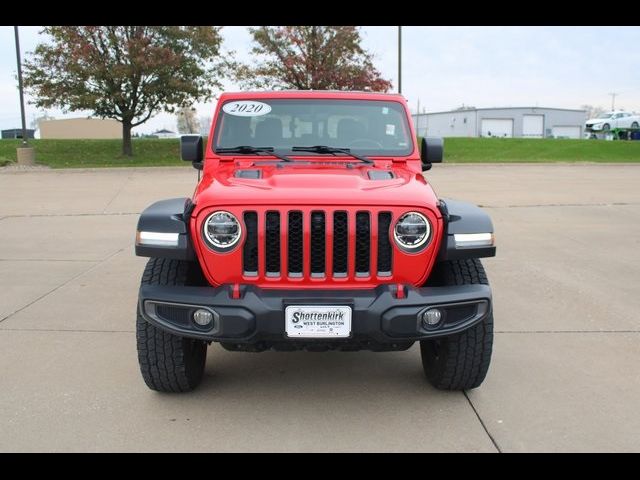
<point x="332" y="150"/>
<point x="248" y="150"/>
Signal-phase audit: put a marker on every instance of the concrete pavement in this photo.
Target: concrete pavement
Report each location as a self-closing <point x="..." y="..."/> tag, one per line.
<point x="564" y="374"/>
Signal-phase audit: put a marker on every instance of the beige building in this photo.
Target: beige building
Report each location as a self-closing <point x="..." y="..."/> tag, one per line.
<point x="76" y="128"/>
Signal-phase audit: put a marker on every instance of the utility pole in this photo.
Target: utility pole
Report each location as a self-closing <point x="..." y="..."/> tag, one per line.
<point x="24" y="122"/>
<point x="613" y="100"/>
<point x="26" y="155"/>
<point x="400" y="59"/>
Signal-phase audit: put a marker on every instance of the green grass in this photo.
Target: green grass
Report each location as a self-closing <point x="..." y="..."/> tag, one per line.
<point x="5" y="161"/>
<point x="148" y="152"/>
<point x="516" y="150"/>
<point x="163" y="152"/>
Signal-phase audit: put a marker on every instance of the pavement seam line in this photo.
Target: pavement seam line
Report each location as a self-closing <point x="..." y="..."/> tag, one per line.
<point x="55" y="215"/>
<point x="46" y="260"/>
<point x="615" y="204"/>
<point x="104" y="210"/>
<point x="73" y="330"/>
<point x="493" y="440"/>
<point x="96" y="265"/>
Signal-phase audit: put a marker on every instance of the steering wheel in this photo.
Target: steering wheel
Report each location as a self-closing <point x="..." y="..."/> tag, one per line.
<point x="366" y="141"/>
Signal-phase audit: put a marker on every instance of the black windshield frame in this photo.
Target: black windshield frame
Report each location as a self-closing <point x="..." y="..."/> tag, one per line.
<point x="402" y="116"/>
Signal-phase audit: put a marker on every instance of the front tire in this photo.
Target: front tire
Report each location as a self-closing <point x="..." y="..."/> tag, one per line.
<point x="169" y="363"/>
<point x="634" y="125"/>
<point x="461" y="361"/>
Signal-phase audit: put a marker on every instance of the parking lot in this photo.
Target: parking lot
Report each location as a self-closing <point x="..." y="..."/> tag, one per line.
<point x="565" y="374"/>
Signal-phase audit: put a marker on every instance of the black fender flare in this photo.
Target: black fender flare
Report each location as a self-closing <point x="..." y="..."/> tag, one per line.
<point x="463" y="218"/>
<point x="169" y="216"/>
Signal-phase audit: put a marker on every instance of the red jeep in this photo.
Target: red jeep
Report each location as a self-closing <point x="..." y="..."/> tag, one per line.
<point x="313" y="227"/>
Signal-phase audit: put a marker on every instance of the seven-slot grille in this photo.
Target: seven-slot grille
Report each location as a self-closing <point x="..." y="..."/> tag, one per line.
<point x="336" y="241"/>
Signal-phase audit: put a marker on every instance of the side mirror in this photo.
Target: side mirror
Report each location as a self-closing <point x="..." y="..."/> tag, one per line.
<point x="431" y="151"/>
<point x="191" y="150"/>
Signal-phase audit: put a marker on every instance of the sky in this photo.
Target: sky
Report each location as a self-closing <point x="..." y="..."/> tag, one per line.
<point x="442" y="68"/>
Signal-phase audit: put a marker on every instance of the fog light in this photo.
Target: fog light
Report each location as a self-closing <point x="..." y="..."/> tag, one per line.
<point x="202" y="317"/>
<point x="431" y="318"/>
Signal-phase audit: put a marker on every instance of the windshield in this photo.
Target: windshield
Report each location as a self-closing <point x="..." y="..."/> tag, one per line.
<point x="365" y="127"/>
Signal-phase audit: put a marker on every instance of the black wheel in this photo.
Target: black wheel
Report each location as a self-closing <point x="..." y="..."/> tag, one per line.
<point x="634" y="125"/>
<point x="459" y="362"/>
<point x="606" y="127"/>
<point x="169" y="363"/>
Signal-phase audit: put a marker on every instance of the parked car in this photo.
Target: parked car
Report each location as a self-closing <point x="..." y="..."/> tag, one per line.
<point x="314" y="227"/>
<point x="611" y="120"/>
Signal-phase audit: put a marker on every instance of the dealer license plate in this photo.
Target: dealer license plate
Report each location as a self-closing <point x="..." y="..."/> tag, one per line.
<point x="326" y="321"/>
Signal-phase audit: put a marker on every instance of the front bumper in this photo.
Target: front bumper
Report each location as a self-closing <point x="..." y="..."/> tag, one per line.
<point x="257" y="317"/>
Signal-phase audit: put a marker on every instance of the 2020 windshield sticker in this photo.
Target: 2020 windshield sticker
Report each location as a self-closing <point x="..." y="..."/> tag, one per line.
<point x="246" y="108"/>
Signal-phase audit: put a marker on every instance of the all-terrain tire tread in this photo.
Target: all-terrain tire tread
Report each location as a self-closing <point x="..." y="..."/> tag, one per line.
<point x="161" y="355"/>
<point x="465" y="356"/>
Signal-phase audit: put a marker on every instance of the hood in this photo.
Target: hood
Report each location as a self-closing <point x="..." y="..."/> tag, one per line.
<point x="598" y="120"/>
<point x="314" y="183"/>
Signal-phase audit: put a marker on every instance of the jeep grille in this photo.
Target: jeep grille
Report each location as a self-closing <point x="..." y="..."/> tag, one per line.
<point x="347" y="237"/>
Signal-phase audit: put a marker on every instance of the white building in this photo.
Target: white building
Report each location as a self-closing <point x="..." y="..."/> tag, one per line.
<point x="522" y="122"/>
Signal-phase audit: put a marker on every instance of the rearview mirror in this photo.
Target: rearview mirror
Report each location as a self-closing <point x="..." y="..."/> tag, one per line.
<point x="431" y="151"/>
<point x="191" y="150"/>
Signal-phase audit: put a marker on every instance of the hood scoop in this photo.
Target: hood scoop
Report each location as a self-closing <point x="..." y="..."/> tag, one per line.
<point x="380" y="175"/>
<point x="254" y="174"/>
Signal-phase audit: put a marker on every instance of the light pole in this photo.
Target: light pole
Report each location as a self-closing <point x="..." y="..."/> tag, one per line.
<point x="613" y="100"/>
<point x="26" y="154"/>
<point x="400" y="59"/>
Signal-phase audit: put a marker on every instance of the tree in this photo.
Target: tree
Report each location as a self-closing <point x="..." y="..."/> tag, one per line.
<point x="311" y="57"/>
<point x="128" y="73"/>
<point x="187" y="121"/>
<point x="593" y="112"/>
<point x="205" y="125"/>
<point x="35" y="123"/>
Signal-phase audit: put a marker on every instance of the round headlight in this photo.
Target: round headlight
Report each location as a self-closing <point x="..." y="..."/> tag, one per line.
<point x="222" y="230"/>
<point x="412" y="231"/>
